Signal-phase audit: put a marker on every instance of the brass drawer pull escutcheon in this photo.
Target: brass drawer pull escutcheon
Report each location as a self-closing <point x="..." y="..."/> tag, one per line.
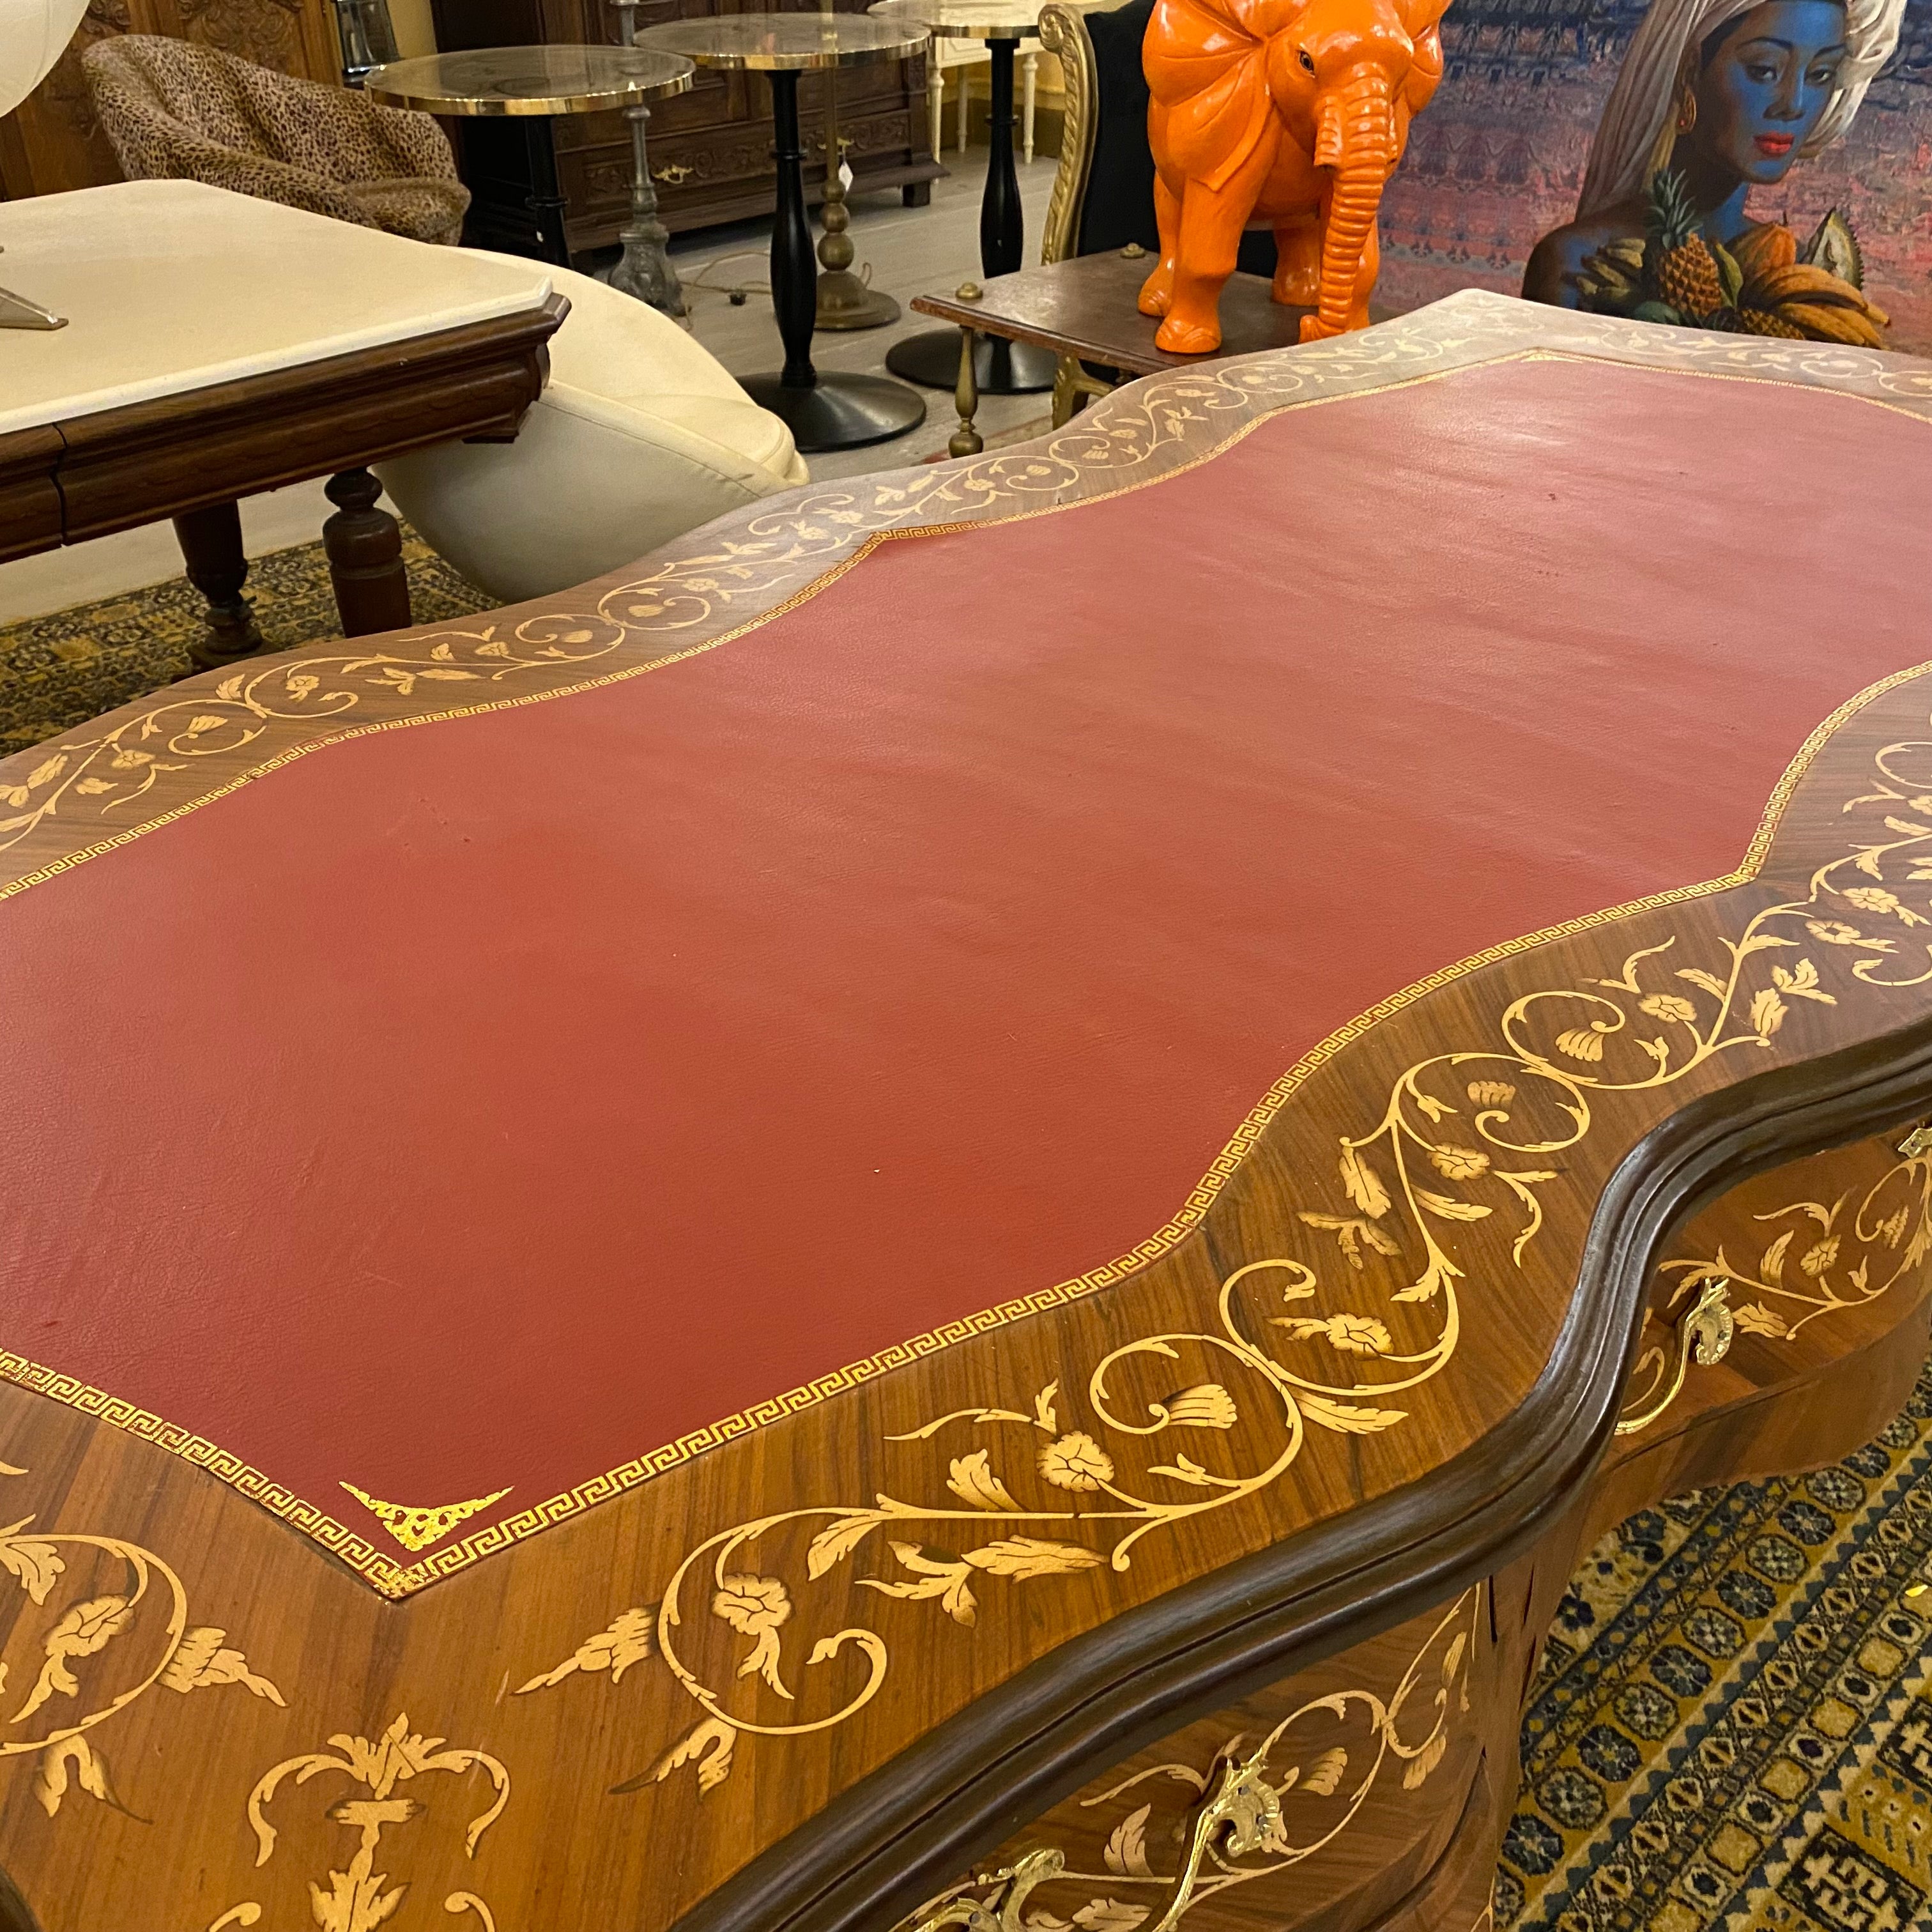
<point x="673" y="173"/>
<point x="1243" y="1816"/>
<point x="1707" y="1330"/>
<point x="1917" y="1144"/>
<point x="1016" y="1881"/>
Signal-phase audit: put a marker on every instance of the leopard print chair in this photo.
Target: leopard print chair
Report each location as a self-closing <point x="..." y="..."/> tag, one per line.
<point x="179" y="112"/>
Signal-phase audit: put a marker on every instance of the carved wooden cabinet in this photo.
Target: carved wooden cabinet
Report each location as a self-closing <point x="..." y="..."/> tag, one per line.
<point x="711" y="149"/>
<point x="53" y="141"/>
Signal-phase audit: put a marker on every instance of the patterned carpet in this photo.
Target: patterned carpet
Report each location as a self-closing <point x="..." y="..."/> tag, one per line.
<point x="1733" y="1725"/>
<point x="59" y="670"/>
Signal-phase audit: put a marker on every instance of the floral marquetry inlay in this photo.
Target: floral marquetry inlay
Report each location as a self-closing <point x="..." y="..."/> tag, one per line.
<point x="1816" y="1258"/>
<point x="1050" y="1489"/>
<point x="1258" y="1808"/>
<point x="359" y="1897"/>
<point x="109" y="1622"/>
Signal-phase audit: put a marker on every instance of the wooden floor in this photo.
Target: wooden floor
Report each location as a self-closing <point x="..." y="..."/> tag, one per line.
<point x="910" y="251"/>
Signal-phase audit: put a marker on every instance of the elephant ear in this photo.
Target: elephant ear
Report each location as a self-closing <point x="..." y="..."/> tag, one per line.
<point x="1206" y="62"/>
<point x="1190" y="44"/>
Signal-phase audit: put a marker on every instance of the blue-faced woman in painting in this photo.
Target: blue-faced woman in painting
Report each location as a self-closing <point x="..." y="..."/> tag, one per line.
<point x="1715" y="98"/>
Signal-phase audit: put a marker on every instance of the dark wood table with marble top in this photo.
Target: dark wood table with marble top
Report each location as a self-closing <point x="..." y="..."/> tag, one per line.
<point x="778" y="1245"/>
<point x="215" y="345"/>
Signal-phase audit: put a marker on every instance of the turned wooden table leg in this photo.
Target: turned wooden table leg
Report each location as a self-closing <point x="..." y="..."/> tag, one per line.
<point x="966" y="440"/>
<point x="365" y="557"/>
<point x="210" y="546"/>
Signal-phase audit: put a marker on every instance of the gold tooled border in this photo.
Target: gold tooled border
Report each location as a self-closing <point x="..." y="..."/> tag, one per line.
<point x="394" y="1580"/>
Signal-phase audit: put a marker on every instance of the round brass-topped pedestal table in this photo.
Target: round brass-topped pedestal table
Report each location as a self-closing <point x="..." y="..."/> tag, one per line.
<point x="832" y="409"/>
<point x="933" y="356"/>
<point x="538" y="83"/>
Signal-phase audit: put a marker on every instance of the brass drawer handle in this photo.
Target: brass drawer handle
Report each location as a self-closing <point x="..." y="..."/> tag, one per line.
<point x="672" y="173"/>
<point x="1237" y="1818"/>
<point x="1707" y="1330"/>
<point x="1918" y="1144"/>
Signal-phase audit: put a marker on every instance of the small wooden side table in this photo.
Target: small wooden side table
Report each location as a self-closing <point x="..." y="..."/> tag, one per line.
<point x="1082" y="311"/>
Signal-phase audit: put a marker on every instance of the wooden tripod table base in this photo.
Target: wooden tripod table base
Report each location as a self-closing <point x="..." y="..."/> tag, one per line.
<point x="732" y="1251"/>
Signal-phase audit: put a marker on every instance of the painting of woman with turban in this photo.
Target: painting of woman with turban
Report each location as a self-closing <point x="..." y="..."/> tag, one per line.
<point x="1714" y="98"/>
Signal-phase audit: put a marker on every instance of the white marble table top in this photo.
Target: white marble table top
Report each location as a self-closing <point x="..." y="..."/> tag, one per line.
<point x="170" y="286"/>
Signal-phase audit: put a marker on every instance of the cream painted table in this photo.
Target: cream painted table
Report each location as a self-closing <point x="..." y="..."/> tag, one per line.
<point x="216" y="346"/>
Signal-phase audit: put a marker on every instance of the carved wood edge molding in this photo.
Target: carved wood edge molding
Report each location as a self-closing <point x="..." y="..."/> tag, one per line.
<point x="120" y="467"/>
<point x="867" y="1859"/>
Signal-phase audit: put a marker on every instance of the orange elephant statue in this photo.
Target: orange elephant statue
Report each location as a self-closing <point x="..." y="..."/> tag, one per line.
<point x="1283" y="114"/>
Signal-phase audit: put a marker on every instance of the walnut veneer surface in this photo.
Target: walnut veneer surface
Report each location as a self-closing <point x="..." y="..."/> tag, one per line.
<point x="795" y="1250"/>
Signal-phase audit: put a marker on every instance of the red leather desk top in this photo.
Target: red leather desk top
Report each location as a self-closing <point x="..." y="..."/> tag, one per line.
<point x="482" y="1107"/>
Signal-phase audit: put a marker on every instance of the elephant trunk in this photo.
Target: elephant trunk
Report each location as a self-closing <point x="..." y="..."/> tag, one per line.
<point x="1355" y="136"/>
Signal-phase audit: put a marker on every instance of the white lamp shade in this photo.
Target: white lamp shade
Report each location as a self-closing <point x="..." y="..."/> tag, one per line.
<point x="34" y="35"/>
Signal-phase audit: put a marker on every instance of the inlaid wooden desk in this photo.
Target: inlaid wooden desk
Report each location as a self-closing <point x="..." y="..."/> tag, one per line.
<point x="216" y="346"/>
<point x="773" y="1246"/>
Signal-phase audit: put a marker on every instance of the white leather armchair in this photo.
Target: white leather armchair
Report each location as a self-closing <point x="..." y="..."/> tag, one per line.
<point x="640" y="436"/>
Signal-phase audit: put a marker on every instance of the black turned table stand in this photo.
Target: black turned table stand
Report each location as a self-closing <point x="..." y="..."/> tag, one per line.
<point x="835" y="409"/>
<point x="999" y="368"/>
<point x="546" y="201"/>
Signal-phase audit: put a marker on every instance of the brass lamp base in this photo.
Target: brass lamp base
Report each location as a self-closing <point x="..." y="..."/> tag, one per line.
<point x="846" y="302"/>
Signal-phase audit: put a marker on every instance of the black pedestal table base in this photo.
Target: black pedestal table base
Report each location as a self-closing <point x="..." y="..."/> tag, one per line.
<point x="839" y="411"/>
<point x="1001" y="368"/>
<point x="835" y="410"/>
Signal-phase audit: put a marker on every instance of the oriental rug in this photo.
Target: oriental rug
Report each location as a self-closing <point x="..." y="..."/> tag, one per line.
<point x="1732" y="1725"/>
<point x="58" y="670"/>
